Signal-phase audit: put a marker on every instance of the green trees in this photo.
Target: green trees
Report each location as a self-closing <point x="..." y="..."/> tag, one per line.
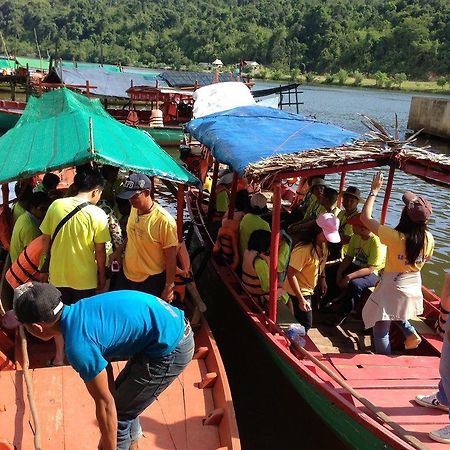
<point x="323" y="36"/>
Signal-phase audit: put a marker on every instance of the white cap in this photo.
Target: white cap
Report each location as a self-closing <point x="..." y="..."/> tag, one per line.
<point x="330" y="227"/>
<point x="258" y="200"/>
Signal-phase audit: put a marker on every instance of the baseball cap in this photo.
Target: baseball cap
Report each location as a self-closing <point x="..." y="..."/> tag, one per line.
<point x="37" y="302"/>
<point x="353" y="191"/>
<point x="356" y="220"/>
<point x="135" y="183"/>
<point x="330" y="227"/>
<point x="419" y="209"/>
<point x="258" y="200"/>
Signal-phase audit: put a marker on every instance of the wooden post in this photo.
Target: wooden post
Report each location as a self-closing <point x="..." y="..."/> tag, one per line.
<point x="232" y="205"/>
<point x="212" y="197"/>
<point x="274" y="245"/>
<point x="341" y="187"/>
<point x="387" y="194"/>
<point x="180" y="211"/>
<point x="88" y="92"/>
<point x="40" y="87"/>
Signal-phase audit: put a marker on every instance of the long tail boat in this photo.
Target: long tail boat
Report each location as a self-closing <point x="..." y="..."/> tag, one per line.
<point x="367" y="399"/>
<point x="49" y="407"/>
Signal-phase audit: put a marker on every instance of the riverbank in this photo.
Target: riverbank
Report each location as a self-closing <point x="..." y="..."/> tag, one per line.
<point x="383" y="82"/>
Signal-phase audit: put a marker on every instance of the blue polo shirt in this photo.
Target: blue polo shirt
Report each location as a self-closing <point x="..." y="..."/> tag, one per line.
<point x="116" y="325"/>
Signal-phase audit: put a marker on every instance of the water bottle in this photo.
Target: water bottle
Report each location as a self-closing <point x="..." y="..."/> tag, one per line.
<point x="295" y="333"/>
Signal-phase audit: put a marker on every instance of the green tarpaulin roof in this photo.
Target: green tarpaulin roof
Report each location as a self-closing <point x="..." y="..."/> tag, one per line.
<point x="7" y="64"/>
<point x="54" y="133"/>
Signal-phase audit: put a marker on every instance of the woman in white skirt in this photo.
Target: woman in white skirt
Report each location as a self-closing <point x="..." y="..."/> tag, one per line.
<point x="398" y="296"/>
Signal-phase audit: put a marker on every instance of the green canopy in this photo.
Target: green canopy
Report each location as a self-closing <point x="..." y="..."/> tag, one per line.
<point x="54" y="132"/>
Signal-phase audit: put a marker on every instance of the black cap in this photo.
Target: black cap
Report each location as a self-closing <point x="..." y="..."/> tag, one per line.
<point x="37" y="302"/>
<point x="135" y="183"/>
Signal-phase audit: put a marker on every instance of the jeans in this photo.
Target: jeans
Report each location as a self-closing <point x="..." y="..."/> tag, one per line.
<point x="141" y="381"/>
<point x="443" y="393"/>
<point x="381" y="334"/>
<point x="303" y="317"/>
<point x="355" y="290"/>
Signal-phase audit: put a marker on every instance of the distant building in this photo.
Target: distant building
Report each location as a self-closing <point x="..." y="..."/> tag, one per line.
<point x="252" y="64"/>
<point x="217" y="63"/>
<point x="204" y="65"/>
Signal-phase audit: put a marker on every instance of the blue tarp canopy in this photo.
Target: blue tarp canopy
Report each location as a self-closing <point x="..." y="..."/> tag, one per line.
<point x="249" y="134"/>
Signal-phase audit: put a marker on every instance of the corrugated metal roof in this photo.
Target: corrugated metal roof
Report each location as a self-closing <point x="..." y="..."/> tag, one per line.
<point x="183" y="79"/>
<point x="108" y="84"/>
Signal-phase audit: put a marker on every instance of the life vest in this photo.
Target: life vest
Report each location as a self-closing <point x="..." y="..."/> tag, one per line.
<point x="132" y="118"/>
<point x="250" y="278"/>
<point x="183" y="274"/>
<point x="227" y="242"/>
<point x="6" y="219"/>
<point x="26" y="267"/>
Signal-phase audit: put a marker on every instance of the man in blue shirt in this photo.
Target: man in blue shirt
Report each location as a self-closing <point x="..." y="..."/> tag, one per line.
<point x="153" y="335"/>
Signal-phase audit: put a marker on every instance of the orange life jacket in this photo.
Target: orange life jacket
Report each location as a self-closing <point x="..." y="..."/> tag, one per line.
<point x="26" y="267"/>
<point x="227" y="242"/>
<point x="132" y="118"/>
<point x="250" y="278"/>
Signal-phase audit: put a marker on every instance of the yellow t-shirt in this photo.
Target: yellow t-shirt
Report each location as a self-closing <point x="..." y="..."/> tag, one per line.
<point x="222" y="201"/>
<point x="148" y="236"/>
<point x="312" y="210"/>
<point x="345" y="228"/>
<point x="72" y="262"/>
<point x="25" y="230"/>
<point x="396" y="250"/>
<point x="250" y="223"/>
<point x="17" y="211"/>
<point x="367" y="252"/>
<point x="308" y="265"/>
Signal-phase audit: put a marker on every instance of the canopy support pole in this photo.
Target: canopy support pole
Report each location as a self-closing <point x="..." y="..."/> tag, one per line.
<point x="341" y="187"/>
<point x="232" y="205"/>
<point x="387" y="194"/>
<point x="274" y="245"/>
<point x="212" y="197"/>
<point x="180" y="210"/>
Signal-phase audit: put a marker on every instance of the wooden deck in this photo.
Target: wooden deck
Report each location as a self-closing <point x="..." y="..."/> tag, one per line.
<point x="67" y="412"/>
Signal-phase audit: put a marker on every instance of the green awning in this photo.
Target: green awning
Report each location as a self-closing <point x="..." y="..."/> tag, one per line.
<point x="53" y="133"/>
<point x="33" y="63"/>
<point x="6" y="64"/>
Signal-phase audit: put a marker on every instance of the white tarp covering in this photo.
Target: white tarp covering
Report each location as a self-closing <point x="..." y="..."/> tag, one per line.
<point x="220" y="97"/>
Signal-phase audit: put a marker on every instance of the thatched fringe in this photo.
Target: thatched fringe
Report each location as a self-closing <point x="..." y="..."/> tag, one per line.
<point x="379" y="144"/>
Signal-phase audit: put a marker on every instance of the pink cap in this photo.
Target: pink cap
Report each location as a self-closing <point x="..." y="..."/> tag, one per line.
<point x="330" y="227"/>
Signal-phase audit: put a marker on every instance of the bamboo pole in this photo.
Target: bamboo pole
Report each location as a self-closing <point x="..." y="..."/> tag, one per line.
<point x="400" y="431"/>
<point x="29" y="384"/>
<point x="274" y="245"/>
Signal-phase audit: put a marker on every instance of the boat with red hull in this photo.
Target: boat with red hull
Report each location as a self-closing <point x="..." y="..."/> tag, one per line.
<point x="367" y="399"/>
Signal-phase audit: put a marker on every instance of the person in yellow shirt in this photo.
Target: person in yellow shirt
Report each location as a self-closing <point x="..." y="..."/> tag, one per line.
<point x="307" y="265"/>
<point x="252" y="221"/>
<point x="26" y="227"/>
<point x="398" y="296"/>
<point x="359" y="269"/>
<point x="150" y="250"/>
<point x="76" y="264"/>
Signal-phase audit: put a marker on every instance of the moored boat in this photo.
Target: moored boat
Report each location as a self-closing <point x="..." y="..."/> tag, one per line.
<point x="62" y="129"/>
<point x="365" y="398"/>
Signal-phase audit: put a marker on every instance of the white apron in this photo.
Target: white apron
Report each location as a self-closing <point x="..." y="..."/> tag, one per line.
<point x="398" y="296"/>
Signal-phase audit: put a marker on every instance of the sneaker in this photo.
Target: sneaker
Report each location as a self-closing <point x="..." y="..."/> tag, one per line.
<point x="412" y="341"/>
<point x="430" y="401"/>
<point x="441" y="435"/>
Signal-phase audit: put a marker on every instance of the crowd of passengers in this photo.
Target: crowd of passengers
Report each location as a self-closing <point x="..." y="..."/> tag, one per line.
<point x="104" y="232"/>
<point x="339" y="260"/>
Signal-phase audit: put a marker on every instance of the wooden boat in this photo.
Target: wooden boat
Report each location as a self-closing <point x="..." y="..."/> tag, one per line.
<point x="10" y="112"/>
<point x="366" y="399"/>
<point x="194" y="412"/>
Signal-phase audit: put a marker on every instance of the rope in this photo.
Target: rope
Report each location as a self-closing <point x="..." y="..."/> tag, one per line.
<point x="400" y="431"/>
<point x="29" y="384"/>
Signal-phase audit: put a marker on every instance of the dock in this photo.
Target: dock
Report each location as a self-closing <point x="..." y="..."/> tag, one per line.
<point x="430" y="114"/>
